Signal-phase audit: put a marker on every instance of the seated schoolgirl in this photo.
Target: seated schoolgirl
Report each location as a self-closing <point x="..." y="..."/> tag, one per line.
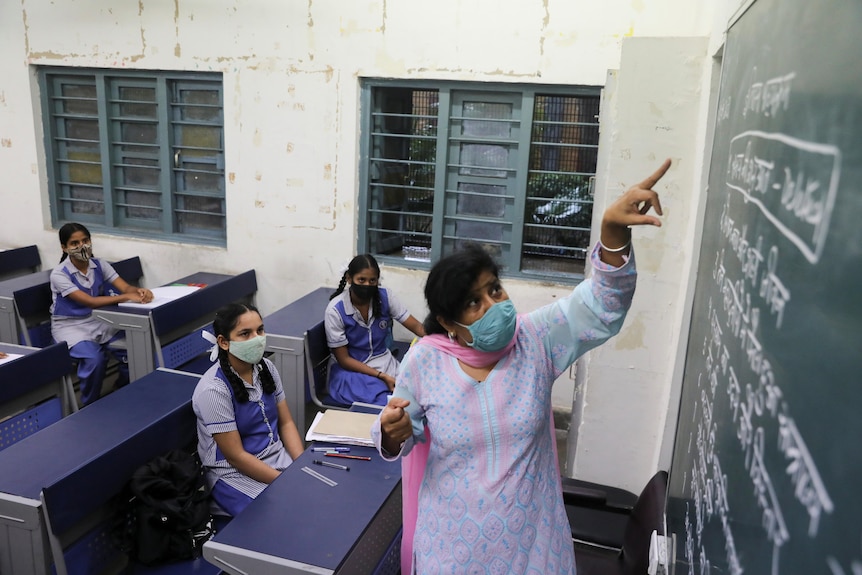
<point x="79" y="284"/>
<point x="358" y="330"/>
<point x="246" y="434"/>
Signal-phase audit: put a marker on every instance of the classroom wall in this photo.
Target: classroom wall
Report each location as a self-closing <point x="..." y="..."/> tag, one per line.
<point x="291" y="77"/>
<point x="651" y="104"/>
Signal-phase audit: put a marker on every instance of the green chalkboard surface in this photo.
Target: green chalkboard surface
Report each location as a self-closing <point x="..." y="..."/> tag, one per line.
<point x="766" y="475"/>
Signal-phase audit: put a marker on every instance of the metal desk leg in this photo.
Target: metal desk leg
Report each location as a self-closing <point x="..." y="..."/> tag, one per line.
<point x="140" y="349"/>
<point x="289" y="360"/>
<point x="8" y="323"/>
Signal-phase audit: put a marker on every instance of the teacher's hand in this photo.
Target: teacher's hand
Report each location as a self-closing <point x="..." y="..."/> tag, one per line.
<point x="631" y="208"/>
<point x="395" y="423"/>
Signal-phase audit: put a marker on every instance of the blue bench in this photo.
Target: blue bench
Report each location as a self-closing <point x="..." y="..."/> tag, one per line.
<point x="36" y="391"/>
<point x="177" y="325"/>
<point x="58" y="485"/>
<point x="19" y="261"/>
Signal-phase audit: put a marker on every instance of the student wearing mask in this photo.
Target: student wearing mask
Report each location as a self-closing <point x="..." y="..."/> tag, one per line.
<point x="79" y="284"/>
<point x="358" y="324"/>
<point x="490" y="498"/>
<point x="246" y="434"/>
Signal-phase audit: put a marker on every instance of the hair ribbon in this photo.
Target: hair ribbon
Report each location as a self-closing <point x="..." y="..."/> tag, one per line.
<point x="212" y="339"/>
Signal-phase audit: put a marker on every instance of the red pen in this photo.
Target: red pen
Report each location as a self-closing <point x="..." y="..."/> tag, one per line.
<point x="345" y="456"/>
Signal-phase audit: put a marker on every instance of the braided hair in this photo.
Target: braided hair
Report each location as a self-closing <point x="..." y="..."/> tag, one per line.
<point x="225" y="321"/>
<point x="360" y="263"/>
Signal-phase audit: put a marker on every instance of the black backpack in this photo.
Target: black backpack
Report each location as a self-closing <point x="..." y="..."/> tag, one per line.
<point x="168" y="518"/>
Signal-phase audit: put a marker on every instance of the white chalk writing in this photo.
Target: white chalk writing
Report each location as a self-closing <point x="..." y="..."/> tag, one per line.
<point x="793" y="182"/>
<point x="770" y="97"/>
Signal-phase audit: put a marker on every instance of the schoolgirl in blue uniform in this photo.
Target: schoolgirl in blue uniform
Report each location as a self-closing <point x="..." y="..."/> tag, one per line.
<point x="79" y="284"/>
<point x="246" y="434"/>
<point x="358" y="325"/>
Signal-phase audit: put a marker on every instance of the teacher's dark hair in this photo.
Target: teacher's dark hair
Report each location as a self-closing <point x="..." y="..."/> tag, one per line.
<point x="225" y="320"/>
<point x="447" y="289"/>
<point x="66" y="232"/>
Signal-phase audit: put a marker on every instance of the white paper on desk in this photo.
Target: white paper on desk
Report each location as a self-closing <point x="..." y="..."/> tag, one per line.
<point x="163" y="295"/>
<point x="9" y="357"/>
<point x="345" y="427"/>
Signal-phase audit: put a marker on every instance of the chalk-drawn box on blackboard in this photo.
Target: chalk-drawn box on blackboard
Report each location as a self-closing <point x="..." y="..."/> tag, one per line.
<point x="792" y="181"/>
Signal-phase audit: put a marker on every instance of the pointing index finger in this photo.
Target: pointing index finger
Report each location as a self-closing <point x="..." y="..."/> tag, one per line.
<point x="656" y="176"/>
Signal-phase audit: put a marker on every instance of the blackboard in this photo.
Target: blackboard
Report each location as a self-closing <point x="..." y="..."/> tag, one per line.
<point x="766" y="476"/>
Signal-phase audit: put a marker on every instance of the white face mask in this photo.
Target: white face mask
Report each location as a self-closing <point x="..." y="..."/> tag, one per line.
<point x="250" y="350"/>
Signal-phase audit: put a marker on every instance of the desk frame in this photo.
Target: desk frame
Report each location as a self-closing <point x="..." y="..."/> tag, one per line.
<point x="8" y="311"/>
<point x="138" y="324"/>
<point x="285" y="340"/>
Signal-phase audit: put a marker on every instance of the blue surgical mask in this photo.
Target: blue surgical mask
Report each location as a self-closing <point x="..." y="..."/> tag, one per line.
<point x="494" y="330"/>
<point x="249" y="350"/>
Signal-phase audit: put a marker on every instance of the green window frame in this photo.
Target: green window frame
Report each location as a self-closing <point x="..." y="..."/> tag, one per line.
<point x="139" y="153"/>
<point x="509" y="166"/>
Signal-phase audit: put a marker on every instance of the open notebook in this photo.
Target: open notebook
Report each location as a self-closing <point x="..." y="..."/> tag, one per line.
<point x="10" y="357"/>
<point x="162" y="295"/>
<point x="346" y="427"/>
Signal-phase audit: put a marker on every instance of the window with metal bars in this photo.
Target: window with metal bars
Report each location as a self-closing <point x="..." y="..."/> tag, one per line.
<point x="510" y="167"/>
<point x="138" y="152"/>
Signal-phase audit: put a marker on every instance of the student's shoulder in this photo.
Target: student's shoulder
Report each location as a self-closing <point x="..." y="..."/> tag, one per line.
<point x="60" y="272"/>
<point x="333" y="302"/>
<point x="210" y="382"/>
<point x="103" y="263"/>
<point x="271" y="367"/>
<point x="105" y="266"/>
<point x="335" y="306"/>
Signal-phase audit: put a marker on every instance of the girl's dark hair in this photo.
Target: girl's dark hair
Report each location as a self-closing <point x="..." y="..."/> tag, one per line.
<point x="66" y="232"/>
<point x="447" y="289"/>
<point x="356" y="265"/>
<point x="225" y="320"/>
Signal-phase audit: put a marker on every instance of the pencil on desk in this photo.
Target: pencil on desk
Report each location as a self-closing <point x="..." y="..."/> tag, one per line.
<point x="345" y="456"/>
<point x="332" y="465"/>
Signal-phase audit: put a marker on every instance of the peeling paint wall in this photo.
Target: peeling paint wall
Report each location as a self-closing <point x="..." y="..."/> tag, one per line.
<point x="291" y="95"/>
<point x="652" y="105"/>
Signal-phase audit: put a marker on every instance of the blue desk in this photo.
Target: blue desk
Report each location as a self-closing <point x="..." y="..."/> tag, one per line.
<point x="285" y="337"/>
<point x="113" y="436"/>
<point x="8" y="313"/>
<point x="302" y="525"/>
<point x="40" y="375"/>
<point x="138" y="324"/>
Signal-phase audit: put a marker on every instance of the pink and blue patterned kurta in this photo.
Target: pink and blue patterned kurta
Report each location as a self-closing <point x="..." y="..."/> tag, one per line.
<point x="490" y="501"/>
